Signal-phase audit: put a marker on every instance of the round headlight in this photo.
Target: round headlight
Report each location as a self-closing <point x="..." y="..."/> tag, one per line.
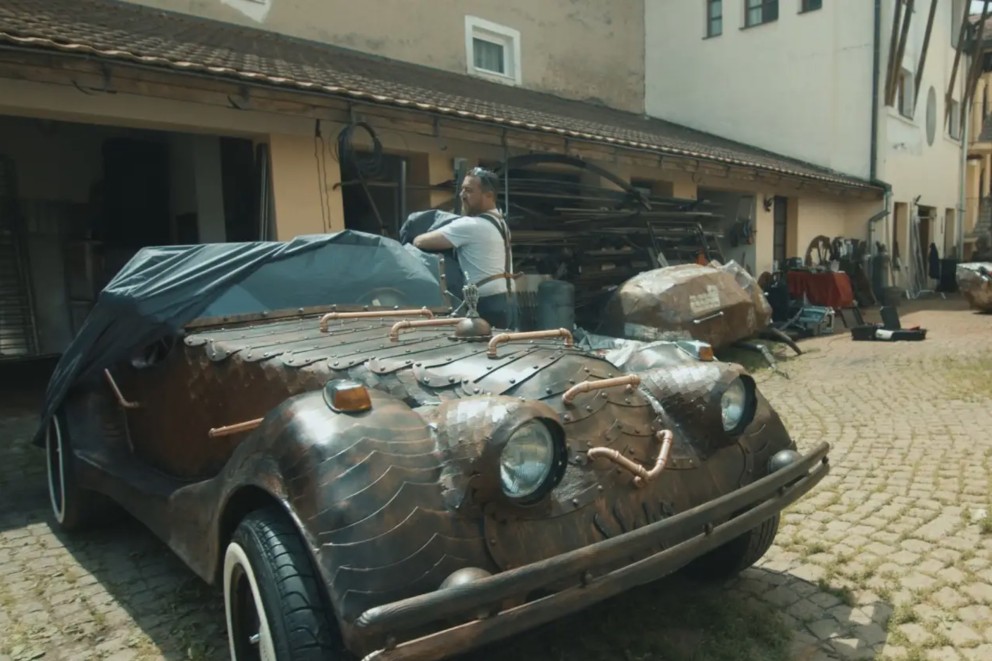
<point x="733" y="405"/>
<point x="527" y="460"/>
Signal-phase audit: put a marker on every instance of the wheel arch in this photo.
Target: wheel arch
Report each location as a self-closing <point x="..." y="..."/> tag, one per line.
<point x="241" y="502"/>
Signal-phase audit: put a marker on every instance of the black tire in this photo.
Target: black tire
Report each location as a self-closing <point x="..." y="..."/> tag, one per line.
<point x="272" y="595"/>
<point x="74" y="508"/>
<point x="736" y="555"/>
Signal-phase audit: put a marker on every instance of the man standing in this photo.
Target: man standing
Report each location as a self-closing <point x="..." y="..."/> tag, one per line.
<point x="481" y="240"/>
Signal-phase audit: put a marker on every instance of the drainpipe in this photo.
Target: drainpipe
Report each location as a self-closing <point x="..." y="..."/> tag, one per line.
<point x="961" y="186"/>
<point x="876" y="66"/>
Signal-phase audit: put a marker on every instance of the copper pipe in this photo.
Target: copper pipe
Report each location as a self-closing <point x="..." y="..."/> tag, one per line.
<point x="394" y="332"/>
<point x="599" y="384"/>
<point x="503" y="338"/>
<point x="236" y="428"/>
<point x="642" y="475"/>
<point x="117" y="392"/>
<point x="371" y="314"/>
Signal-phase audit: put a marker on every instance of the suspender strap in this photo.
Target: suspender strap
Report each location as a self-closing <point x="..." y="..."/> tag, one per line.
<point x="504" y="232"/>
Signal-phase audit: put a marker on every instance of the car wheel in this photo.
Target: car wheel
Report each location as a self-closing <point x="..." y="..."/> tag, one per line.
<point x="74" y="508"/>
<point x="272" y="595"/>
<point x="736" y="555"/>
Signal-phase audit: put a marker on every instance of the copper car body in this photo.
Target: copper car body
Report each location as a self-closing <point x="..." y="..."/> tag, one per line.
<point x="975" y="282"/>
<point x="390" y="500"/>
<point x="381" y="441"/>
<point x="716" y="304"/>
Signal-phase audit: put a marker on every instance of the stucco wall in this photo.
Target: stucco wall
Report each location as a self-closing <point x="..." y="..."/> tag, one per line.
<point x="799" y="86"/>
<point x="832" y="217"/>
<point x="580" y="49"/>
<point x="908" y="161"/>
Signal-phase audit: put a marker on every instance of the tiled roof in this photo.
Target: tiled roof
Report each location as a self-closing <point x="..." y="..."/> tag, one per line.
<point x="131" y="33"/>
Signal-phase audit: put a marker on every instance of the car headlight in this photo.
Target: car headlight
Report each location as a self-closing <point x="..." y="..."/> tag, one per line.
<point x="737" y="406"/>
<point x="528" y="461"/>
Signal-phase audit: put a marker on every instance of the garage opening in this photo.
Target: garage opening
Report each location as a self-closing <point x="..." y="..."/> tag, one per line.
<point x="77" y="201"/>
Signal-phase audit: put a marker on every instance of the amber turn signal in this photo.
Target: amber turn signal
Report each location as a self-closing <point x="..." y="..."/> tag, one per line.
<point x="346" y="396"/>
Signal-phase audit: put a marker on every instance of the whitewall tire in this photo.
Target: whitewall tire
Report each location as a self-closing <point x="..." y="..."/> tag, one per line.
<point x="72" y="507"/>
<point x="273" y="599"/>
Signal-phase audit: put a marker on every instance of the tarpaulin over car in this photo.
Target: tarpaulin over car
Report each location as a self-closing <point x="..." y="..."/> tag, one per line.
<point x="163" y="288"/>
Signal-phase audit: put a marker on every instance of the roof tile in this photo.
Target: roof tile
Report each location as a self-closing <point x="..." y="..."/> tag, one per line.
<point x="122" y="31"/>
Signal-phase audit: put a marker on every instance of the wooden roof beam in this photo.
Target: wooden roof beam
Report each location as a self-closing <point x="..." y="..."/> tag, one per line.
<point x="923" y="53"/>
<point x="896" y="66"/>
<point x="893" y="44"/>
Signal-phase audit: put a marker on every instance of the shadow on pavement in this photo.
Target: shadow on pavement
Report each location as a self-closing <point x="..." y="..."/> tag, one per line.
<point x="126" y="574"/>
<point x="761" y="616"/>
<point x="113" y="575"/>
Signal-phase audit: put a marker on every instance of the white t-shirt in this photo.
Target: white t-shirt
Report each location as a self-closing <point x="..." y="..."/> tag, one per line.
<point x="480" y="250"/>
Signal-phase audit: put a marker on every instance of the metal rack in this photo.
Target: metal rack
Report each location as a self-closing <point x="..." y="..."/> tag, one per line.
<point x="18" y="330"/>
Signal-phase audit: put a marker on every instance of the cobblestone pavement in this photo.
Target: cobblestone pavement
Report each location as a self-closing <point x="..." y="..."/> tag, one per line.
<point x="891" y="557"/>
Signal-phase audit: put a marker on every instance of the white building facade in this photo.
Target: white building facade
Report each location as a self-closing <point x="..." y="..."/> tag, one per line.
<point x="808" y="79"/>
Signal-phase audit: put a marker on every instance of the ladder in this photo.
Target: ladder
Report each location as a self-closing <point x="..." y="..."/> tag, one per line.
<point x="18" y="332"/>
<point x="918" y="280"/>
<point x="710" y="245"/>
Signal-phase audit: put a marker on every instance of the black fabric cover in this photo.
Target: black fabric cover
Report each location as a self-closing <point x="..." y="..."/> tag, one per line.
<point x="163" y="288"/>
<point x="421" y="222"/>
<point x="934" y="262"/>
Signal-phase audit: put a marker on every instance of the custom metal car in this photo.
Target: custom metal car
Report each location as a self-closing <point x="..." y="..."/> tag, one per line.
<point x="975" y="282"/>
<point x="393" y="482"/>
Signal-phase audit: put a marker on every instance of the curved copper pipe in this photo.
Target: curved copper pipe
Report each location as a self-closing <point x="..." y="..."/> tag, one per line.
<point x="236" y="428"/>
<point x="370" y="314"/>
<point x="394" y="332"/>
<point x="599" y="384"/>
<point x="642" y="475"/>
<point x="125" y="404"/>
<point x="503" y="338"/>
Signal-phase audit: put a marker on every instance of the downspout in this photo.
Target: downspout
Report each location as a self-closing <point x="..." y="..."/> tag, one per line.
<point x="961" y="186"/>
<point x="876" y="69"/>
<point x="876" y="65"/>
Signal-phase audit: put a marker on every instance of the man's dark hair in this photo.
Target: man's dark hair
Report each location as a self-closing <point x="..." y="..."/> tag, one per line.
<point x="488" y="180"/>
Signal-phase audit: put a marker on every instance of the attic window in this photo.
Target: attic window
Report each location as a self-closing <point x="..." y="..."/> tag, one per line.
<point x="759" y="12"/>
<point x="907" y="94"/>
<point x="954" y="126"/>
<point x="492" y="51"/>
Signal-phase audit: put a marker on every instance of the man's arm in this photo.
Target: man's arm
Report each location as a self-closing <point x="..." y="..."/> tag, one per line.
<point x="433" y="241"/>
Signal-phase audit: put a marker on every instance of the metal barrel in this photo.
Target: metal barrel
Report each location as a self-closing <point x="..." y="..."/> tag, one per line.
<point x="555" y="305"/>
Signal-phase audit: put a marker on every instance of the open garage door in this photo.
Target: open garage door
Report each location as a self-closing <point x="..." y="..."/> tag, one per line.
<point x="18" y="335"/>
<point x="77" y="201"/>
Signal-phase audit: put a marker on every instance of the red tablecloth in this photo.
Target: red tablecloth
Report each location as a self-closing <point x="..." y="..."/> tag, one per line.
<point x="827" y="289"/>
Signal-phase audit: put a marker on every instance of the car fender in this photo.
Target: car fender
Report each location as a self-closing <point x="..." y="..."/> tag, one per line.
<point x="310" y="461"/>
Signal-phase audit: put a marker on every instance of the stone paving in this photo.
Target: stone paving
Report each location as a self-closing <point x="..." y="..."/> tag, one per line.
<point x="891" y="557"/>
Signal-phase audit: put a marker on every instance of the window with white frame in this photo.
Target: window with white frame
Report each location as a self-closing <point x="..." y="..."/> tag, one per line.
<point x="714" y="18"/>
<point x="954" y="125"/>
<point x="810" y="5"/>
<point x="757" y="12"/>
<point x="907" y="94"/>
<point x="492" y="50"/>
